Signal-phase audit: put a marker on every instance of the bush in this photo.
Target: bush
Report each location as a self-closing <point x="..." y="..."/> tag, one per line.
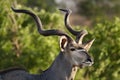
<point x="105" y="51"/>
<point x="20" y="42"/>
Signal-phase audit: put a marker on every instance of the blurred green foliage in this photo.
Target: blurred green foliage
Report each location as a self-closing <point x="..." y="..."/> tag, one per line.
<point x="97" y="9"/>
<point x="105" y="51"/>
<point x="20" y="42"/>
<point x="22" y="45"/>
<point x="48" y="5"/>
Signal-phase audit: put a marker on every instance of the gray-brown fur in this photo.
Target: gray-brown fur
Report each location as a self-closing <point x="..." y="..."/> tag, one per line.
<point x="11" y="69"/>
<point x="73" y="54"/>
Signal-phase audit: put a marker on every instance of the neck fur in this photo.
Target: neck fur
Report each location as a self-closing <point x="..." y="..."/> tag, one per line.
<point x="62" y="69"/>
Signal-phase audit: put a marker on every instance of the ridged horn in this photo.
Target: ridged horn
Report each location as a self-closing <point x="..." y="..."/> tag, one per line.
<point x="79" y="34"/>
<point x="39" y="24"/>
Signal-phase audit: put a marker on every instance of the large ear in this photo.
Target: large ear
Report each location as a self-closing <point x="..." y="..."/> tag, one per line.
<point x="88" y="44"/>
<point x="63" y="42"/>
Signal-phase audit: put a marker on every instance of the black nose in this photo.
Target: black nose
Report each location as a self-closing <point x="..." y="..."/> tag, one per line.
<point x="89" y="60"/>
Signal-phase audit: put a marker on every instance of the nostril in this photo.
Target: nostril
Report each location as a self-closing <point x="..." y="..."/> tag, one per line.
<point x="89" y="60"/>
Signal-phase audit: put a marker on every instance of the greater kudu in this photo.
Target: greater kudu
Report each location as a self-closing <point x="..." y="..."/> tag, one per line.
<point x="73" y="54"/>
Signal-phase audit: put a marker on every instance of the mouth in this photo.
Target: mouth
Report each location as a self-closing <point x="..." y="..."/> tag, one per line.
<point x="87" y="63"/>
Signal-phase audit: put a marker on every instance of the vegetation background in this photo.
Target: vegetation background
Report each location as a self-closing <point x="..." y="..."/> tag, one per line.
<point x="21" y="44"/>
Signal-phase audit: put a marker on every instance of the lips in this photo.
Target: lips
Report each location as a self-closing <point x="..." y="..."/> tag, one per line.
<point x="83" y="64"/>
<point x="87" y="63"/>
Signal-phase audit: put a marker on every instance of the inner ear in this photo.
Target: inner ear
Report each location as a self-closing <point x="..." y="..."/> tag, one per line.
<point x="63" y="42"/>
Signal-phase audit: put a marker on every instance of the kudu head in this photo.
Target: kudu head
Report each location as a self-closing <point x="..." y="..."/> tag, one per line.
<point x="74" y="51"/>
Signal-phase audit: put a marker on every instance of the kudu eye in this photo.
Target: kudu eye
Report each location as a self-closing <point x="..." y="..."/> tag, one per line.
<point x="72" y="49"/>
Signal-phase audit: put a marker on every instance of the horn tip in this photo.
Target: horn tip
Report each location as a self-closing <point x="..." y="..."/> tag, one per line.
<point x="85" y="31"/>
<point x="12" y="8"/>
<point x="66" y="10"/>
<point x="92" y="40"/>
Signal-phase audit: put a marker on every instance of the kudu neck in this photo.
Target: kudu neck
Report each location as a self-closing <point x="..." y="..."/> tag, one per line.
<point x="62" y="68"/>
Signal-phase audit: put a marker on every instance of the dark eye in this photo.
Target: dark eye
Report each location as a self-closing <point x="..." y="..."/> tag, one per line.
<point x="72" y="49"/>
